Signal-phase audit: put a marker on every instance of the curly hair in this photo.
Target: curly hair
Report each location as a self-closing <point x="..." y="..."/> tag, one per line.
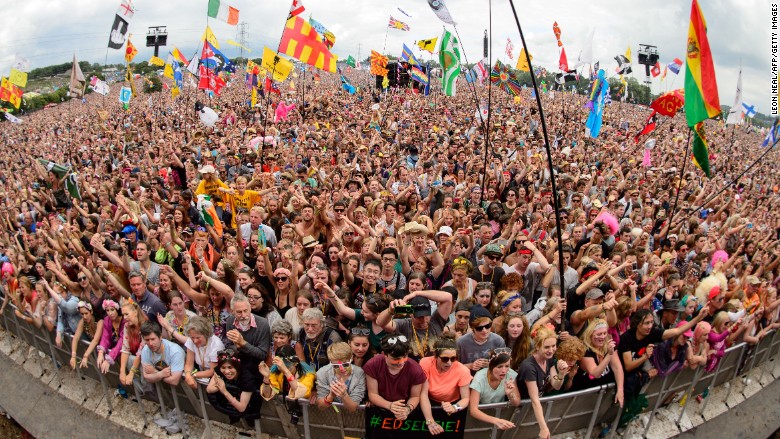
<point x="570" y="350"/>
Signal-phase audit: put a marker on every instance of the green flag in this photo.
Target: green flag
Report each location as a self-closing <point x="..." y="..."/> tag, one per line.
<point x="351" y="61"/>
<point x="449" y="58"/>
<point x="701" y="153"/>
<point x="64" y="173"/>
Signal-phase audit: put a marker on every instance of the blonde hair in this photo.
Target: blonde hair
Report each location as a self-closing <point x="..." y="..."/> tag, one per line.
<point x="588" y="335"/>
<point x="542" y="334"/>
<point x="339" y="351"/>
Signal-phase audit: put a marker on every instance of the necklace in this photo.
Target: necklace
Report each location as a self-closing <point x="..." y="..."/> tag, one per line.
<point x="482" y="275"/>
<point x="422" y="348"/>
<point x="313" y="355"/>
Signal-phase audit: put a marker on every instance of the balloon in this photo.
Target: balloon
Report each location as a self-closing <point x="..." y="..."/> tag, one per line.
<point x="208" y="117"/>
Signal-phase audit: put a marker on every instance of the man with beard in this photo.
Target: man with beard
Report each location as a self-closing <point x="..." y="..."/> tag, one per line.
<point x="249" y="335"/>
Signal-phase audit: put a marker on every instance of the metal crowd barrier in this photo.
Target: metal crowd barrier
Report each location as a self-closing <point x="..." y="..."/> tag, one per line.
<point x="586" y="409"/>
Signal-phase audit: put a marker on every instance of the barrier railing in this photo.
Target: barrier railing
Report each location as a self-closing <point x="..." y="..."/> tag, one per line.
<point x="580" y="410"/>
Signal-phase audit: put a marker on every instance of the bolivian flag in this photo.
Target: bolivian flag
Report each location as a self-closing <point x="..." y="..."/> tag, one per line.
<point x="701" y="88"/>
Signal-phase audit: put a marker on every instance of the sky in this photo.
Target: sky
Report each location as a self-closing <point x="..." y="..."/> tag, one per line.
<point x="49" y="32"/>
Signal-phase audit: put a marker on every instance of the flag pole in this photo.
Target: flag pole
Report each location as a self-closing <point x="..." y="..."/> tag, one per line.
<point x="556" y="198"/>
<point x="734" y="180"/>
<point x="679" y="183"/>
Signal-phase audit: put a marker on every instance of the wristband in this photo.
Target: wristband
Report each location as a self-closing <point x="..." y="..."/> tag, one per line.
<point x="291" y="378"/>
<point x="133" y="370"/>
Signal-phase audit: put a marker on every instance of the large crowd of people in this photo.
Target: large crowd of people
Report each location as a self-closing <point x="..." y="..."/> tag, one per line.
<point x="367" y="249"/>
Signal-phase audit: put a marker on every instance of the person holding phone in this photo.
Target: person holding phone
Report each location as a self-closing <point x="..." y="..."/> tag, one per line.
<point x="341" y="381"/>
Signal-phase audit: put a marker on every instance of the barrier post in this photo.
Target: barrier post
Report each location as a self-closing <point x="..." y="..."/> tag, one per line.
<point x="742" y="351"/>
<point x="767" y="355"/>
<point x="592" y="421"/>
<point x="103" y="383"/>
<point x="180" y="419"/>
<point x="689" y="393"/>
<point x="658" y="402"/>
<point x="202" y="402"/>
<point x="306" y="427"/>
<point x="158" y="389"/>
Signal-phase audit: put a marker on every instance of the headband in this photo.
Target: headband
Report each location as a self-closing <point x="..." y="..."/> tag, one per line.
<point x="511" y="299"/>
<point x="601" y="326"/>
<point x="108" y="303"/>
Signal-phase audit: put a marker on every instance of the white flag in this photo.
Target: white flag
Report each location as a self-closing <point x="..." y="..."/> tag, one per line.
<point x="22" y="64"/>
<point x="586" y="54"/>
<point x="126" y="10"/>
<point x="101" y="87"/>
<point x="192" y="67"/>
<point x="440" y="9"/>
<point x="735" y="112"/>
<point x="13" y="119"/>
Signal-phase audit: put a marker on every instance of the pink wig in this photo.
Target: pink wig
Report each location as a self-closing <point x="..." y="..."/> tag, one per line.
<point x="701" y="328"/>
<point x="610" y="221"/>
<point x="719" y="256"/>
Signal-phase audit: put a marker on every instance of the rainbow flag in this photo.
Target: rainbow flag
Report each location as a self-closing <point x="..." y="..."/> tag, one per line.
<point x="701" y="88"/>
<point x="419" y="76"/>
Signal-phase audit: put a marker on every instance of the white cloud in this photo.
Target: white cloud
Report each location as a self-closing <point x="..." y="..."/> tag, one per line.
<point x="49" y="31"/>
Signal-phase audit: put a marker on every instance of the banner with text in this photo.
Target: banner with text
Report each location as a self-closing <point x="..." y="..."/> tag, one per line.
<point x="382" y="424"/>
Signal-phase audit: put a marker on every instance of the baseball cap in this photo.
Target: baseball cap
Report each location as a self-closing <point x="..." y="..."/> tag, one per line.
<point x="478" y="311"/>
<point x="493" y="249"/>
<point x="594" y="293"/>
<point x="688" y="333"/>
<point x="421" y="306"/>
<point x="752" y="280"/>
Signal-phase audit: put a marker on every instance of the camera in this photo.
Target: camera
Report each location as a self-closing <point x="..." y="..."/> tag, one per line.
<point x="403" y="310"/>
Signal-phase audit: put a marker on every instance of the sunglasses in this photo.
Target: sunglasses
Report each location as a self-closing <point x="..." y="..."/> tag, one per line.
<point x="81" y="278"/>
<point x="448" y="359"/>
<point x="338" y="210"/>
<point x="281" y="278"/>
<point x="360" y="331"/>
<point x="393" y="340"/>
<point x="483" y="327"/>
<point x="493" y="257"/>
<point x="349" y="233"/>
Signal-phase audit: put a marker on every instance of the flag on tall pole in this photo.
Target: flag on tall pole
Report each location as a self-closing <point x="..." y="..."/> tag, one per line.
<point x="301" y="41"/>
<point x="22" y="64"/>
<point x="408" y="56"/>
<point x="440" y="9"/>
<point x="596" y="104"/>
<point x="701" y="87"/>
<point x="557" y="32"/>
<point x="77" y="80"/>
<point x="428" y="45"/>
<point x="563" y="63"/>
<point x="449" y="58"/>
<point x="396" y="24"/>
<point x="522" y="61"/>
<point x="130" y="51"/>
<point x="296" y="8"/>
<point x="509" y="48"/>
<point x="586" y="53"/>
<point x="327" y="36"/>
<point x="121" y="24"/>
<point x="220" y="10"/>
<point x="735" y="112"/>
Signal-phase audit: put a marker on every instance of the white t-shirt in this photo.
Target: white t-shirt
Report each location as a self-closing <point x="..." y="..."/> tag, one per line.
<point x="209" y="352"/>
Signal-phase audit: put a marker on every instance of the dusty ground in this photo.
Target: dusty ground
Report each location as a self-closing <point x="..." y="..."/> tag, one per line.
<point x="9" y="429"/>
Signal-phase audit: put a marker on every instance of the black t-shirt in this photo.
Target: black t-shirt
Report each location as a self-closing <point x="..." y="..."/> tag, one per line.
<point x="583" y="380"/>
<point x="530" y="371"/>
<point x="629" y="342"/>
<point x="356" y="293"/>
<point x="494" y="277"/>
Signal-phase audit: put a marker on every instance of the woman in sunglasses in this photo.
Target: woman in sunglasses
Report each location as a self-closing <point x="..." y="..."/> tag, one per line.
<point x="341" y="381"/>
<point x="394" y="381"/>
<point x="448" y="382"/>
<point x="494" y="384"/>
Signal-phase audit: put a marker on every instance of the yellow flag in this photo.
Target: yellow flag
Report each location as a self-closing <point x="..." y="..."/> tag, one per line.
<point x="522" y="62"/>
<point x="210" y="37"/>
<point x="385" y="82"/>
<point x="254" y="96"/>
<point x="130" y="51"/>
<point x="237" y="44"/>
<point x="156" y="61"/>
<point x="429" y="45"/>
<point x="18" y="78"/>
<point x="168" y="71"/>
<point x="292" y="85"/>
<point x="282" y="68"/>
<point x="174" y="92"/>
<point x="628" y="53"/>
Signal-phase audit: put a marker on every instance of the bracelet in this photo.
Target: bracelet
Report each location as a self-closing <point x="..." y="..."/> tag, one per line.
<point x="429" y="421"/>
<point x="291" y="378"/>
<point x="133" y="370"/>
